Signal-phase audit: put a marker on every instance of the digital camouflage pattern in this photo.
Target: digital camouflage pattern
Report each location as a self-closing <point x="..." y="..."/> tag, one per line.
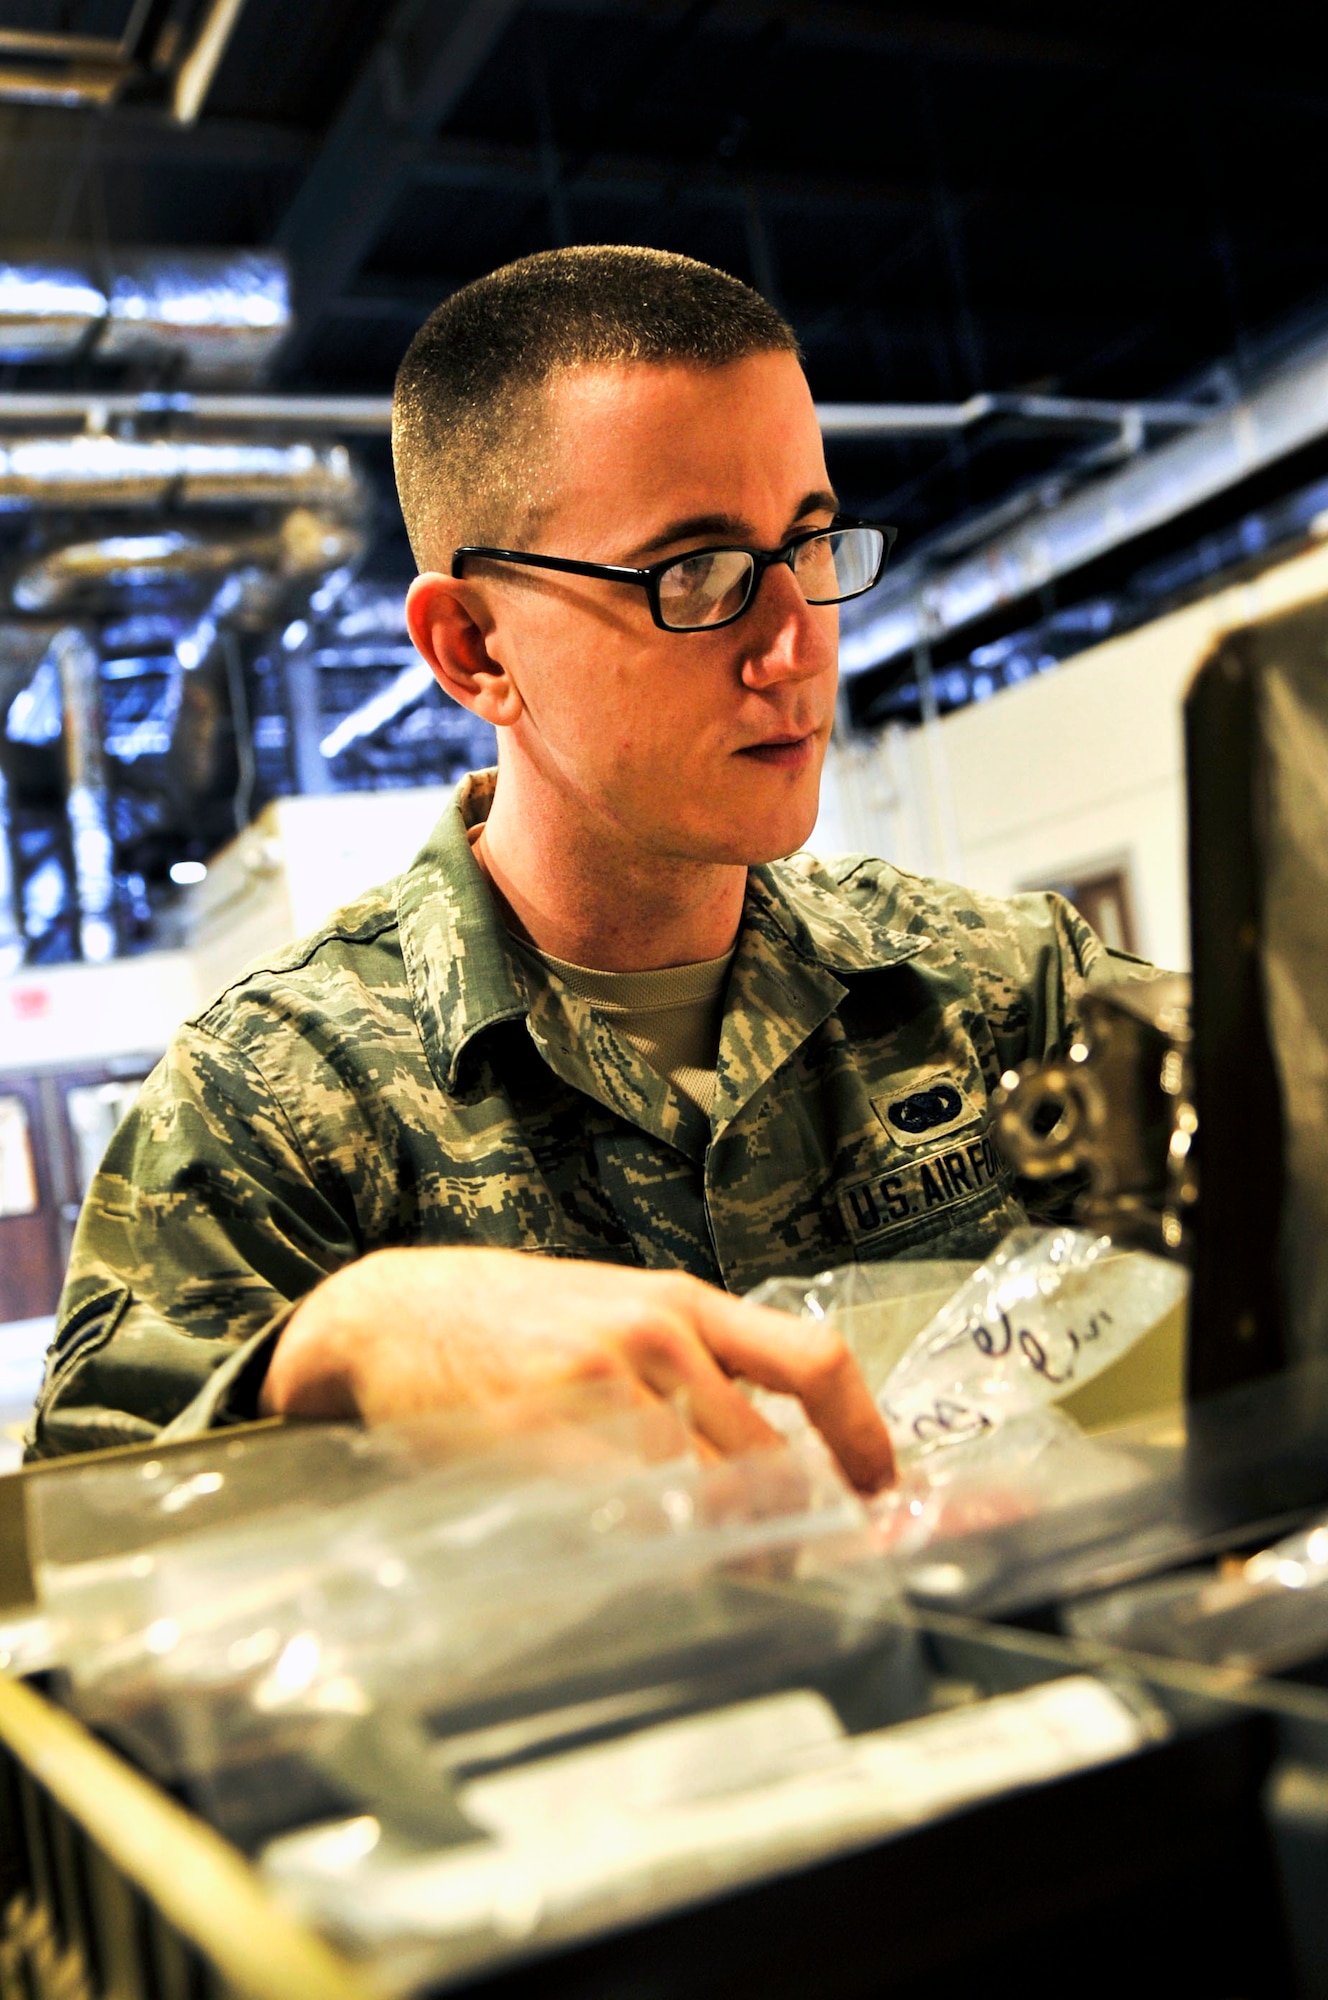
<point x="404" y="1076"/>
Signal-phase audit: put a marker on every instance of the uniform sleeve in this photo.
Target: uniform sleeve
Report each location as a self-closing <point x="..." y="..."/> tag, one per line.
<point x="203" y="1228"/>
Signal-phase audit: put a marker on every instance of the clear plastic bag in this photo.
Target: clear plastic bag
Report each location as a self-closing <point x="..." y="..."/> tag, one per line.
<point x="1262" y="1615"/>
<point x="452" y="1576"/>
<point x="1014" y="1520"/>
<point x="999" y="1491"/>
<point x="1048" y="1311"/>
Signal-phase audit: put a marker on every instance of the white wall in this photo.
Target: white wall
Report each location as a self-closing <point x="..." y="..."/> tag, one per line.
<point x="68" y="1014"/>
<point x="300" y="861"/>
<point x="337" y="847"/>
<point x="279" y="880"/>
<point x="1066" y="772"/>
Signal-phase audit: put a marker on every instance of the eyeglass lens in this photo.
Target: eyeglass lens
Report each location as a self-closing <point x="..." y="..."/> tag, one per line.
<point x="706" y="588"/>
<point x="838" y="565"/>
<point x="715" y="584"/>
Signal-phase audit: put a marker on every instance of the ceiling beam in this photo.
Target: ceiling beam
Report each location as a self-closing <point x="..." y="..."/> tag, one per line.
<point x="485" y="166"/>
<point x="863" y="29"/>
<point x="523" y="170"/>
<point x="413" y="81"/>
<point x="867" y="29"/>
<point x="139" y="136"/>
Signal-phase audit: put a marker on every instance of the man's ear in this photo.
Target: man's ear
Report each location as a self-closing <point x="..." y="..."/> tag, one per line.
<point x="445" y="620"/>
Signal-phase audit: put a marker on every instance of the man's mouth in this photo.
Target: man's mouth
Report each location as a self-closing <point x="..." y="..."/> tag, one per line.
<point x="784" y="752"/>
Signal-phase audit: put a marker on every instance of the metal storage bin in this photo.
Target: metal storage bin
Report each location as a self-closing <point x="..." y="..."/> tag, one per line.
<point x="109" y="1887"/>
<point x="112" y="1888"/>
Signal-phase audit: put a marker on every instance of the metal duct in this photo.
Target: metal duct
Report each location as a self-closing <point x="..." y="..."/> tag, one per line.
<point x="88" y="804"/>
<point x="381" y="708"/>
<point x="224" y="319"/>
<point x="220" y="317"/>
<point x="125" y="472"/>
<point x="46" y="312"/>
<point x="97" y="408"/>
<point x="304" y="545"/>
<point x="919" y="603"/>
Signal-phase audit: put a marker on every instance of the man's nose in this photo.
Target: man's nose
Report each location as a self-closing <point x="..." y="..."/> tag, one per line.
<point x="785" y="639"/>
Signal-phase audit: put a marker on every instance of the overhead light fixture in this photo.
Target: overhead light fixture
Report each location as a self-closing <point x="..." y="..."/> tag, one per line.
<point x="185" y="874"/>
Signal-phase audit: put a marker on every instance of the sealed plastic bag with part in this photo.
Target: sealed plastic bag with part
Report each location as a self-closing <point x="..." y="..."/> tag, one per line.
<point x="1048" y="1311"/>
<point x="997" y="1486"/>
<point x="1032" y="1509"/>
<point x="1035" y="1515"/>
<point x="1258" y="1616"/>
<point x="217" y="1655"/>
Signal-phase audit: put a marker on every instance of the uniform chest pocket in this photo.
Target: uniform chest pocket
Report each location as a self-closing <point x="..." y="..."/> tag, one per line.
<point x="934" y="1158"/>
<point x="924" y="1106"/>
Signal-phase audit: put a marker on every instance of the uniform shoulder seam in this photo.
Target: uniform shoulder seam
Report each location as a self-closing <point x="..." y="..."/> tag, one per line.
<point x="286" y="961"/>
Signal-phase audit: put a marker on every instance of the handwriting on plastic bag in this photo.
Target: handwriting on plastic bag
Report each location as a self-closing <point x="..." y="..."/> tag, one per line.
<point x="949" y="1420"/>
<point x="1049" y="1309"/>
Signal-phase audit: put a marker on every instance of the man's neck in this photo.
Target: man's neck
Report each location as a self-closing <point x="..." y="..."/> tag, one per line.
<point x="581" y="896"/>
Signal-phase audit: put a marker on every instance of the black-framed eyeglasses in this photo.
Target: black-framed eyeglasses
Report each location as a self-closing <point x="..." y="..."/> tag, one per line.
<point x="707" y="588"/>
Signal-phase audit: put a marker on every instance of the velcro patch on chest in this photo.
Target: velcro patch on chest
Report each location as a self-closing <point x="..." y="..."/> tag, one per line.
<point x="919" y="1116"/>
<point x="918" y="1188"/>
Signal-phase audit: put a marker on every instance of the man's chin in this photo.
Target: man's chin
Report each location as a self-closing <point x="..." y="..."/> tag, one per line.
<point x="750" y="846"/>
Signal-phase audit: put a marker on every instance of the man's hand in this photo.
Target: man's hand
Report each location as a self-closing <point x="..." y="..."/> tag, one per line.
<point x="405" y="1331"/>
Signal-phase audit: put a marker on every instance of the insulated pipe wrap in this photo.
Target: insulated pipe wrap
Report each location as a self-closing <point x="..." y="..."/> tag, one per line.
<point x="217" y="318"/>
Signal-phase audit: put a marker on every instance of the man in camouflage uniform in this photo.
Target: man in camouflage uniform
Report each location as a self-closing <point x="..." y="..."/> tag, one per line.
<point x="407" y="1163"/>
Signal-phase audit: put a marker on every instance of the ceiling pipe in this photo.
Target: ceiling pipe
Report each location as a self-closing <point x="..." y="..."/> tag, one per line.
<point x="408" y="686"/>
<point x="349" y="414"/>
<point x="36" y="45"/>
<point x="102" y="471"/>
<point x="868" y="420"/>
<point x="920" y="602"/>
<point x="374" y="413"/>
<point x="194" y="77"/>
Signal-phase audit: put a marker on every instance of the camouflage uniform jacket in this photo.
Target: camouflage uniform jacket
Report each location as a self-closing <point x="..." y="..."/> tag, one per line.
<point x="404" y="1077"/>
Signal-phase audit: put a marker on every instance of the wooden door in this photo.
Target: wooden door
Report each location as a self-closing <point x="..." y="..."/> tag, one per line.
<point x="31" y="1265"/>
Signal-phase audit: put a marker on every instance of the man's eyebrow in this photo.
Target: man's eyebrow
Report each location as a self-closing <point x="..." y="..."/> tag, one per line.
<point x="730" y="527"/>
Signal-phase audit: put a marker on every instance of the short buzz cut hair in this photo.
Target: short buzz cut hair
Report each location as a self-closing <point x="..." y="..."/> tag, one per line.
<point x="466" y="434"/>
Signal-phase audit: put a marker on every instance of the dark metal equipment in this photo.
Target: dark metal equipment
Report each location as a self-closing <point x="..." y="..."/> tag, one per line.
<point x="1118" y="1110"/>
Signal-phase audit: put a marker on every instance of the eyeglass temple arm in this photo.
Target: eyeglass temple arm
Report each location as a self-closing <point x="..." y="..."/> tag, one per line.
<point x="460" y="557"/>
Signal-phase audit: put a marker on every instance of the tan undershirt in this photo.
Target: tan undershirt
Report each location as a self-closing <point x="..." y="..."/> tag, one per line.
<point x="672" y="1017"/>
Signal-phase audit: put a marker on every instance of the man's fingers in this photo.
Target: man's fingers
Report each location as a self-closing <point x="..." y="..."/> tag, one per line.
<point x="809" y="1360"/>
<point x="671" y="1360"/>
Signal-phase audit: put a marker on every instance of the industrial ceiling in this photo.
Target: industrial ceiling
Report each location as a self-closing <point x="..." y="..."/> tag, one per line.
<point x="1093" y="201"/>
<point x="1048" y="248"/>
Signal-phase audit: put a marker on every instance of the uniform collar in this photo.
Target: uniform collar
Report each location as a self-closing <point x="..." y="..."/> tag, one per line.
<point x="802" y="901"/>
<point x="800" y="936"/>
<point x="463" y="972"/>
